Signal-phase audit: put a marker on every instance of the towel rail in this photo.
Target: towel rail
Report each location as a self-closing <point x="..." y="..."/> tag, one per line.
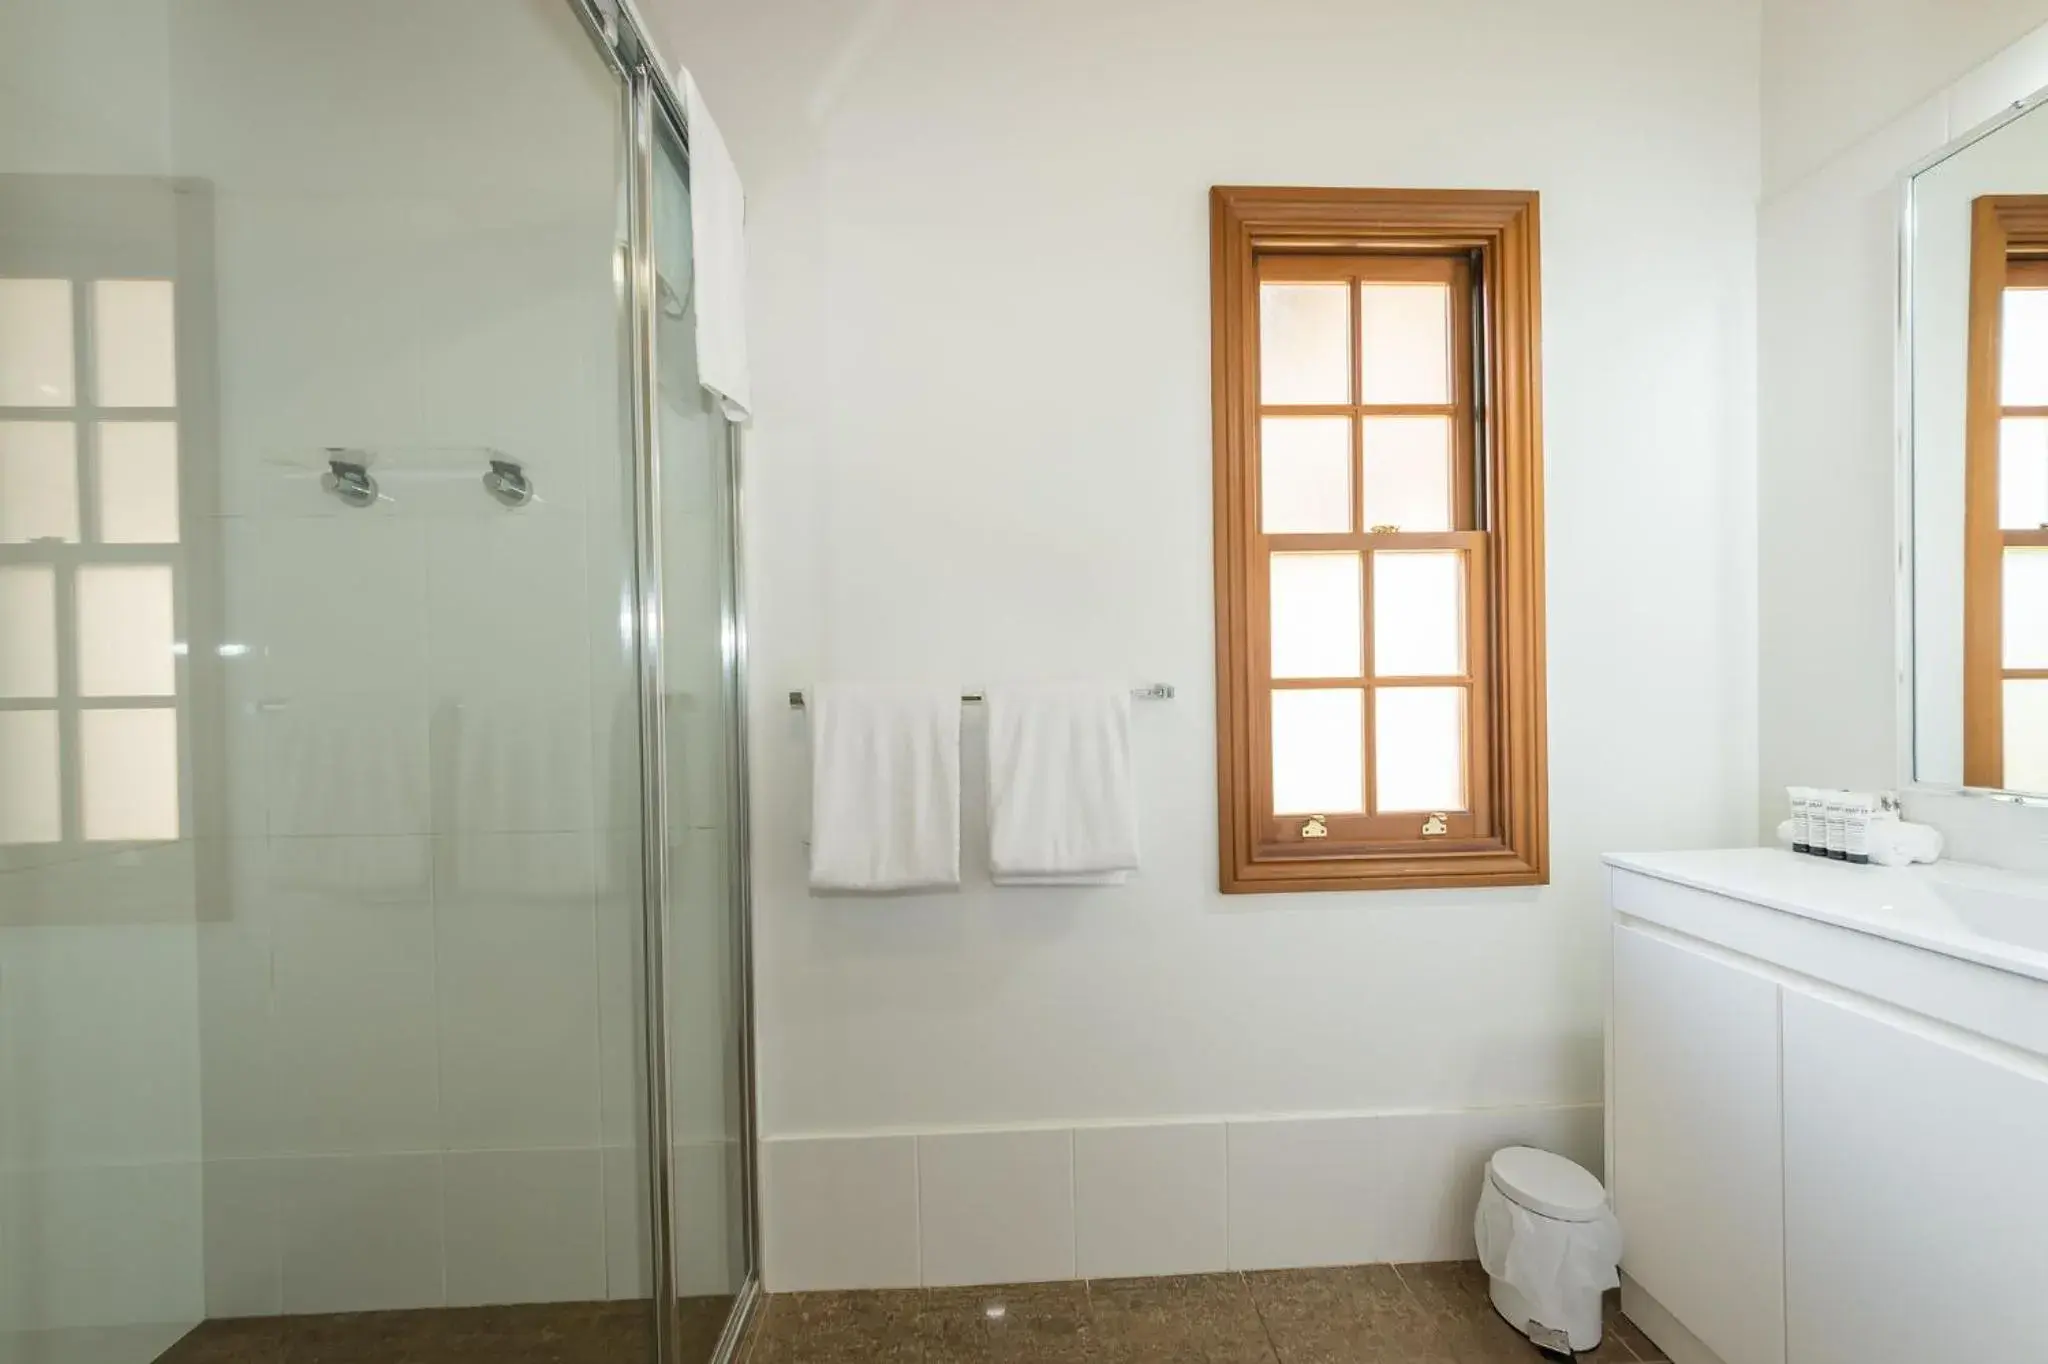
<point x="1157" y="691"/>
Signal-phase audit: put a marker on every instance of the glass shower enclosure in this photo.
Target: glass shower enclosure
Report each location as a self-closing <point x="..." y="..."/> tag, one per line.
<point x="373" y="847"/>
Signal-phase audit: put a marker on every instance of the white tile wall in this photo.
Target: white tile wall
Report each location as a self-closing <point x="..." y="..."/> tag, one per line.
<point x="512" y="760"/>
<point x="626" y="1229"/>
<point x="996" y="1207"/>
<point x="1305" y="1191"/>
<point x="1150" y="1200"/>
<point x="506" y="603"/>
<point x="554" y="871"/>
<point x="338" y="604"/>
<point x="706" y="1190"/>
<point x="844" y="1213"/>
<point x="1432" y="1165"/>
<point x="347" y="763"/>
<point x="524" y="1226"/>
<point x="340" y="874"/>
<point x="361" y="1233"/>
<point x="1141" y="1199"/>
<point x="118" y="1092"/>
<point x="422" y="1015"/>
<point x="518" y="1024"/>
<point x="355" y="1027"/>
<point x="621" y="1069"/>
<point x="244" y="1238"/>
<point x="114" y="1244"/>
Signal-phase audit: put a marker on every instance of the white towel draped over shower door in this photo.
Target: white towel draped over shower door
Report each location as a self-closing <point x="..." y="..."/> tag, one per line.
<point x="1062" y="809"/>
<point x="718" y="232"/>
<point x="885" y="788"/>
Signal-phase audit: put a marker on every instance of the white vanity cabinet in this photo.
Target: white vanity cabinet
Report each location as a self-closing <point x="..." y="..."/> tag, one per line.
<point x="1916" y="1193"/>
<point x="1828" y="1109"/>
<point x="1696" y="1176"/>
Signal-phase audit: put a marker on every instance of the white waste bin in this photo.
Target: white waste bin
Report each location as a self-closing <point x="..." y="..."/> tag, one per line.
<point x="1549" y="1245"/>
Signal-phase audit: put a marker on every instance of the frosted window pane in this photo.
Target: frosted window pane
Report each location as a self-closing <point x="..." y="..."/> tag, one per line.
<point x="1405" y="342"/>
<point x="128" y="773"/>
<point x="2026" y="608"/>
<point x="1418" y="613"/>
<point x="1305" y="474"/>
<point x="2023" y="473"/>
<point x="38" y="482"/>
<point x="1305" y="343"/>
<point x="35" y="343"/>
<point x="2026" y="735"/>
<point x="2024" y="348"/>
<point x="1318" y="752"/>
<point x="1419" y="749"/>
<point x="28" y="631"/>
<point x="29" y="788"/>
<point x="138" y="483"/>
<point x="1318" y="615"/>
<point x="126" y="631"/>
<point x="134" y="343"/>
<point x="1408" y="472"/>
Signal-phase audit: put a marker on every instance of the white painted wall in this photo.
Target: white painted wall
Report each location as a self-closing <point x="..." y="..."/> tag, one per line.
<point x="1827" y="515"/>
<point x="1834" y="71"/>
<point x="978" y="237"/>
<point x="87" y="89"/>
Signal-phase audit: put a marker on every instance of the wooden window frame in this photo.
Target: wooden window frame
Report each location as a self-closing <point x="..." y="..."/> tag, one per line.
<point x="2008" y="246"/>
<point x="1503" y="838"/>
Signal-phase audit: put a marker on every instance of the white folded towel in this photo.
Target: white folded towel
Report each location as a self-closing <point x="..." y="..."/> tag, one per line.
<point x="718" y="229"/>
<point x="1061" y="807"/>
<point x="1895" y="842"/>
<point x="885" y="788"/>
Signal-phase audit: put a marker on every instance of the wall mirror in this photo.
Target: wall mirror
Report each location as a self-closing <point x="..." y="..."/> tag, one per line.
<point x="1974" y="410"/>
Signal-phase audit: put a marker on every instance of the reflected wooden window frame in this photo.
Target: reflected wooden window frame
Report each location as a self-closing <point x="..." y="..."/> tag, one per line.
<point x="71" y="560"/>
<point x="158" y="230"/>
<point x="2008" y="250"/>
<point x="1484" y="246"/>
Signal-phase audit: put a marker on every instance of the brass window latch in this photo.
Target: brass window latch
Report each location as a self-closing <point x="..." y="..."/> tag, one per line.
<point x="1436" y="826"/>
<point x="1314" y="827"/>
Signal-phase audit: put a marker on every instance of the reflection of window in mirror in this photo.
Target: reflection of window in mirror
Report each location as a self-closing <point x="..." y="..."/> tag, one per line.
<point x="2005" y="632"/>
<point x="1377" y="542"/>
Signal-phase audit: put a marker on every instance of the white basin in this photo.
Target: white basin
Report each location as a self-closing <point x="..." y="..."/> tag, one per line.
<point x="2003" y="914"/>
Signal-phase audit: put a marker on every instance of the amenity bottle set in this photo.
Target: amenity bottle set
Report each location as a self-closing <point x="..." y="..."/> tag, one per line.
<point x="1860" y="827"/>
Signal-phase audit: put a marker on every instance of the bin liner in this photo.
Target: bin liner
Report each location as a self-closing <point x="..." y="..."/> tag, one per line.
<point x="1550" y="1262"/>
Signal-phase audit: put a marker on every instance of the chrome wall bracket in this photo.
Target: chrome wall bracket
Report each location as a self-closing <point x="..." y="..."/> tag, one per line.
<point x="507" y="482"/>
<point x="348" y="477"/>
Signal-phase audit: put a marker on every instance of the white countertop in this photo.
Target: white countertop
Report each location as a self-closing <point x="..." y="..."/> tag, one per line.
<point x="1978" y="914"/>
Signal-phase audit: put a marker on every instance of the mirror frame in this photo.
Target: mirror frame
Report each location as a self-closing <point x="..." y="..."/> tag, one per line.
<point x="1903" y="505"/>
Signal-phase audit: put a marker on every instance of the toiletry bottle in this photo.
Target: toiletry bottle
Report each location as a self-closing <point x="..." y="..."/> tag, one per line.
<point x="1802" y="801"/>
<point x="1859" y="810"/>
<point x="1837" y="806"/>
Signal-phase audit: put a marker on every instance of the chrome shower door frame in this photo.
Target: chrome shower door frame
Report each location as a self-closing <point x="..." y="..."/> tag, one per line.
<point x="654" y="108"/>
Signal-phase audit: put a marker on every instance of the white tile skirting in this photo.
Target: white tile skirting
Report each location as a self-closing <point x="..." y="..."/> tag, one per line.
<point x="909" y="1209"/>
<point x="360" y="1233"/>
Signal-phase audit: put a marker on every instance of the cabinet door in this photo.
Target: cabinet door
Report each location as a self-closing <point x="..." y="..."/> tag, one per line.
<point x="1916" y="1196"/>
<point x="1697" y="1159"/>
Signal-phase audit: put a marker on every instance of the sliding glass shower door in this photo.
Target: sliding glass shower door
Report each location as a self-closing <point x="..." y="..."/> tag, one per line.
<point x="372" y="877"/>
<point x="692" y="654"/>
<point x="694" y="521"/>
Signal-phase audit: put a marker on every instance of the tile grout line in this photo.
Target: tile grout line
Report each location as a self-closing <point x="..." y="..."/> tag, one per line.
<point x="1265" y="1328"/>
<point x="1074" y="1215"/>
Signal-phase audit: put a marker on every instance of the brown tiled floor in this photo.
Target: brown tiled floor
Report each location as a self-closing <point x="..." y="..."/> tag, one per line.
<point x="1371" y="1314"/>
<point x="549" y="1333"/>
